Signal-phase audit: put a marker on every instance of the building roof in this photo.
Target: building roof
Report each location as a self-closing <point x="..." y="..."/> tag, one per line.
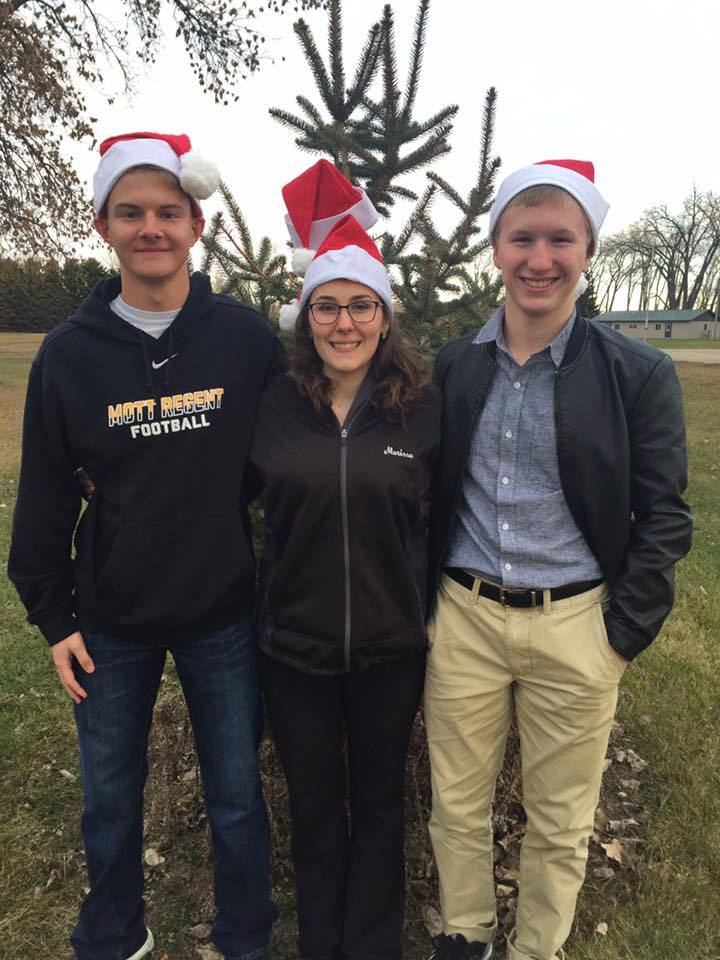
<point x="653" y="316"/>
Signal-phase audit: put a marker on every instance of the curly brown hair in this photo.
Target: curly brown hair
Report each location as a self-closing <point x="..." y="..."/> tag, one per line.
<point x="400" y="371"/>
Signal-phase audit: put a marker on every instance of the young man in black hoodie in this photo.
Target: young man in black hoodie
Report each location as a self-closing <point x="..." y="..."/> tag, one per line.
<point x="144" y="401"/>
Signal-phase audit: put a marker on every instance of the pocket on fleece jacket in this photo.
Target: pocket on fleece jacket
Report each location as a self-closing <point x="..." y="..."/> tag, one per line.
<point x="173" y="572"/>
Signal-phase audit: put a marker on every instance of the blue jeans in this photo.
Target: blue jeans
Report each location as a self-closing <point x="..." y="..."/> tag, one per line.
<point x="219" y="677"/>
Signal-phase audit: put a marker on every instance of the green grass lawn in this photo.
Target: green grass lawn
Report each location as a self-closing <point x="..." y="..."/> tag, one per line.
<point x="668" y="908"/>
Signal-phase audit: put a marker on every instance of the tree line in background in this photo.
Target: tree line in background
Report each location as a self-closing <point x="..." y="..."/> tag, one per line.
<point x="664" y="261"/>
<point x="37" y="295"/>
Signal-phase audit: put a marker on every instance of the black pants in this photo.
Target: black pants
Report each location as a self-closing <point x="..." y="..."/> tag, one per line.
<point x="350" y="879"/>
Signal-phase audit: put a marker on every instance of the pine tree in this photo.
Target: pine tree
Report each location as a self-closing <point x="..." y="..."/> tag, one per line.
<point x="37" y="295"/>
<point x="334" y="135"/>
<point x="586" y="303"/>
<point x="439" y="282"/>
<point x="442" y="291"/>
<point x="257" y="275"/>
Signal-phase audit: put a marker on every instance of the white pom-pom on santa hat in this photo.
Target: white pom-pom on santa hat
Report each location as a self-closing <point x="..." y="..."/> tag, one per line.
<point x="581" y="286"/>
<point x="199" y="176"/>
<point x="289" y="313"/>
<point x="301" y="259"/>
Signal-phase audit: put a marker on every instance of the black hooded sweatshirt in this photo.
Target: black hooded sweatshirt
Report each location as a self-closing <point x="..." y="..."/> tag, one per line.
<point x="162" y="429"/>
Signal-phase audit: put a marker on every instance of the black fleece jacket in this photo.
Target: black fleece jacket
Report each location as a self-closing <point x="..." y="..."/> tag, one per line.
<point x="344" y="570"/>
<point x="162" y="428"/>
<point x="623" y="465"/>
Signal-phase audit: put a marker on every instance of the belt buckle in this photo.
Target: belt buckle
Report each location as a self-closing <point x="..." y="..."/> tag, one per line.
<point x="505" y="591"/>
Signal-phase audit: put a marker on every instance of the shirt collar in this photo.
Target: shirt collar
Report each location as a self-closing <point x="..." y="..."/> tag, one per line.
<point x="493" y="332"/>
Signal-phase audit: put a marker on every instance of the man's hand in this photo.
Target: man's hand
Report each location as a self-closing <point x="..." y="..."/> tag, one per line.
<point x="62" y="654"/>
<point x="625" y="663"/>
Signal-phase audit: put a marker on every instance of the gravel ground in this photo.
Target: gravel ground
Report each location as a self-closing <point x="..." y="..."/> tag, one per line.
<point x="694" y="356"/>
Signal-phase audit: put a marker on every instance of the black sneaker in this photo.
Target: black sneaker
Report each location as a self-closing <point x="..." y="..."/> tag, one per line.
<point x="456" y="947"/>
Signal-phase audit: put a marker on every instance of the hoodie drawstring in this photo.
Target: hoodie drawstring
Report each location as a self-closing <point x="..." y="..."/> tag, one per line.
<point x="171" y="351"/>
<point x="146" y="357"/>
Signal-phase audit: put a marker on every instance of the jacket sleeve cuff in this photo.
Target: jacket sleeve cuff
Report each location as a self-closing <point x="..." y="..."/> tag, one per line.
<point x="622" y="638"/>
<point x="56" y="626"/>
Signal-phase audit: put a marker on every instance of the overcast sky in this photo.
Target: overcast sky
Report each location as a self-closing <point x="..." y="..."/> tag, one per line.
<point x="630" y="84"/>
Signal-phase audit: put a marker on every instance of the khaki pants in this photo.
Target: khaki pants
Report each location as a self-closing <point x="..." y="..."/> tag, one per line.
<point x="554" y="667"/>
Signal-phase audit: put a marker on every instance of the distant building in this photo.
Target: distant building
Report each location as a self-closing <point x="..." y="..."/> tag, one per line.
<point x="667" y="324"/>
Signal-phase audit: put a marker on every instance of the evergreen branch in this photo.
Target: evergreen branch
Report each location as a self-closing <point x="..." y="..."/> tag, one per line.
<point x="337" y="71"/>
<point x="366" y="68"/>
<point x="435" y="146"/>
<point x="223" y="257"/>
<point x="392" y="94"/>
<point x="449" y="191"/>
<point x="397" y="245"/>
<point x="416" y="129"/>
<point x="264" y="253"/>
<point x="312" y="112"/>
<point x="246" y="252"/>
<point x="312" y="55"/>
<point x="236" y="216"/>
<point x="415" y="61"/>
<point x="488" y="131"/>
<point x="210" y="237"/>
<point x="290" y="120"/>
<point x="397" y="191"/>
<point x="472" y="253"/>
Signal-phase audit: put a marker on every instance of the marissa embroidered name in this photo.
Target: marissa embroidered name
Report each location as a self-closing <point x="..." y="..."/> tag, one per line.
<point x="392" y="452"/>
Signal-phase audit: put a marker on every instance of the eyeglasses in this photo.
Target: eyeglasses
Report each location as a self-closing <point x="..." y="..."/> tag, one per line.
<point x="361" y="311"/>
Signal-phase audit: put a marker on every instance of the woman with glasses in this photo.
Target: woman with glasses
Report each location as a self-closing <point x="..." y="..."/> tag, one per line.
<point x="344" y="447"/>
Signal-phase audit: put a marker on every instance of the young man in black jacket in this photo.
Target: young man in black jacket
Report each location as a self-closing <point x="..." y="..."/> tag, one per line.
<point x="145" y="400"/>
<point x="558" y="518"/>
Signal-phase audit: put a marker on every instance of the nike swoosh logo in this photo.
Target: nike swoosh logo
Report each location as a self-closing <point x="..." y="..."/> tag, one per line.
<point x="156" y="366"/>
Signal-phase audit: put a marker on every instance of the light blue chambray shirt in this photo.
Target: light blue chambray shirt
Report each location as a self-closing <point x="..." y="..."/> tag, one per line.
<point x="514" y="526"/>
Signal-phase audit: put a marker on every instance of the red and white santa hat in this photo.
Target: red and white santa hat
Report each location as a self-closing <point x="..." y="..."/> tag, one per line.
<point x="316" y="201"/>
<point x="346" y="253"/>
<point x="198" y="177"/>
<point x="576" y="177"/>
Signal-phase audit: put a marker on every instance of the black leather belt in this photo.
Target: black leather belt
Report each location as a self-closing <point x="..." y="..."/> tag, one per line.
<point x="518" y="596"/>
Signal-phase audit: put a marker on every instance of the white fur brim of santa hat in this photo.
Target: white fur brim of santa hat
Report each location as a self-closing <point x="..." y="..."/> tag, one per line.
<point x="347" y="253"/>
<point x="350" y="263"/>
<point x="576" y="177"/>
<point x="198" y="177"/>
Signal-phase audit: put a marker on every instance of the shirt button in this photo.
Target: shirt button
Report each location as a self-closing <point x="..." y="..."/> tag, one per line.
<point x="517" y="385"/>
<point x="508" y="434"/>
<point x="508" y="566"/>
<point x="506" y="526"/>
<point x="505" y="481"/>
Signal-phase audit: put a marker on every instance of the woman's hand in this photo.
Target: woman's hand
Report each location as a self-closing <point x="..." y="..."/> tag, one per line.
<point x="62" y="654"/>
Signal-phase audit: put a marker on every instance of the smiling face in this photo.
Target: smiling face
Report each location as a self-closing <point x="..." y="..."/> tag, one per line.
<point x="346" y="348"/>
<point x="541" y="252"/>
<point x="148" y="221"/>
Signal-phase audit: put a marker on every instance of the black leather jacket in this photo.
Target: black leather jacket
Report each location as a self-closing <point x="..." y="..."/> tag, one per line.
<point x="622" y="459"/>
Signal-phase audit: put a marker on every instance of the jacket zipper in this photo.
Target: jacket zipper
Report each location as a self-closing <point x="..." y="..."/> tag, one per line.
<point x="346" y="542"/>
<point x="344" y="437"/>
